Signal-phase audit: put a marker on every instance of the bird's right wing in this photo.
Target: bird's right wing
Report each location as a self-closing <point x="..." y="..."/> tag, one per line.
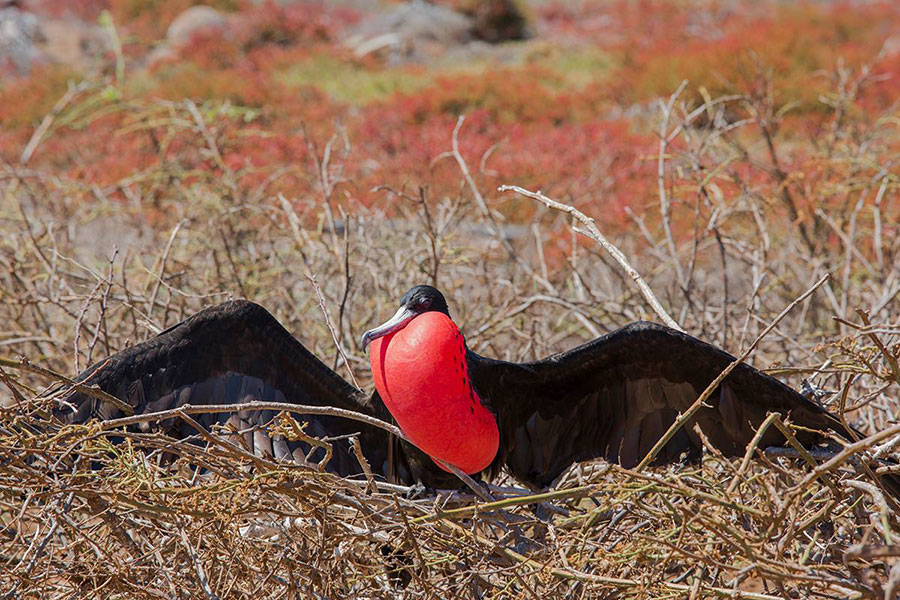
<point x="234" y="353"/>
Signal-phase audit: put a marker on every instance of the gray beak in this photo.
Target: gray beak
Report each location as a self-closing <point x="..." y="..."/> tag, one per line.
<point x="397" y="322"/>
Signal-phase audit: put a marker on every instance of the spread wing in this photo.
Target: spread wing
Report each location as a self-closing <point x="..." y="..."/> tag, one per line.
<point x="616" y="396"/>
<point x="229" y="354"/>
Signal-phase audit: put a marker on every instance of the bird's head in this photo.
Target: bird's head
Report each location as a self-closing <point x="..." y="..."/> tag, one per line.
<point x="418" y="300"/>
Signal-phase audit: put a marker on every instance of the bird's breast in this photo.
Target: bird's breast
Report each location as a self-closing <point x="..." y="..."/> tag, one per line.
<point x="421" y="374"/>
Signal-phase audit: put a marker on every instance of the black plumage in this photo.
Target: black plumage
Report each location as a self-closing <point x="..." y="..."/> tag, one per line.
<point x="616" y="396"/>
<point x="613" y="397"/>
<point x="233" y="353"/>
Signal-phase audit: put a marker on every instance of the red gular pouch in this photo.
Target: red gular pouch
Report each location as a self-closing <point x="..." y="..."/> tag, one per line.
<point x="421" y="375"/>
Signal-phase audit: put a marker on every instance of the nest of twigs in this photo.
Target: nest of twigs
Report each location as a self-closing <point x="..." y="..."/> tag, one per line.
<point x="90" y="515"/>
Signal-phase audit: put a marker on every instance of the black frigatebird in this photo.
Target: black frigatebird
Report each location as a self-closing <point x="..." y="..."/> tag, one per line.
<point x="613" y="397"/>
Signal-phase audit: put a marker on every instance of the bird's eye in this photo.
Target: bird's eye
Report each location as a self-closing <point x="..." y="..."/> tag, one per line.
<point x="424" y="302"/>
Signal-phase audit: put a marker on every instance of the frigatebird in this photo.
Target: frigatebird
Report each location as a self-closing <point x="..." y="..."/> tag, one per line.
<point x="613" y="397"/>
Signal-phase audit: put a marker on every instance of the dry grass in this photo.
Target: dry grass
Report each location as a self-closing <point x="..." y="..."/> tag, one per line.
<point x="86" y="272"/>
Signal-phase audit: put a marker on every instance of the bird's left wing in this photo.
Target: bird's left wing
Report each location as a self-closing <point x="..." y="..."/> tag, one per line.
<point x="616" y="396"/>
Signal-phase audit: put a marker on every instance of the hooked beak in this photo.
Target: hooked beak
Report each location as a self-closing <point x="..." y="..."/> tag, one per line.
<point x="395" y="323"/>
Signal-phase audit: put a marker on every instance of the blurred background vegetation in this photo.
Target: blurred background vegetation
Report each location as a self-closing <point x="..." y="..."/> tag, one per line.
<point x="563" y="94"/>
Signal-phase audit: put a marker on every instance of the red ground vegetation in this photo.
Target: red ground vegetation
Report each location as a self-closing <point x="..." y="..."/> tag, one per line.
<point x="594" y="143"/>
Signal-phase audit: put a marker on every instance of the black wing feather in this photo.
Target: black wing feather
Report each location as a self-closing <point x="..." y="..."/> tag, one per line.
<point x="616" y="396"/>
<point x="228" y="354"/>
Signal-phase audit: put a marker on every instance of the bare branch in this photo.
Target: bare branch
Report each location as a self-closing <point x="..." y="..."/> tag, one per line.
<point x="594" y="233"/>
